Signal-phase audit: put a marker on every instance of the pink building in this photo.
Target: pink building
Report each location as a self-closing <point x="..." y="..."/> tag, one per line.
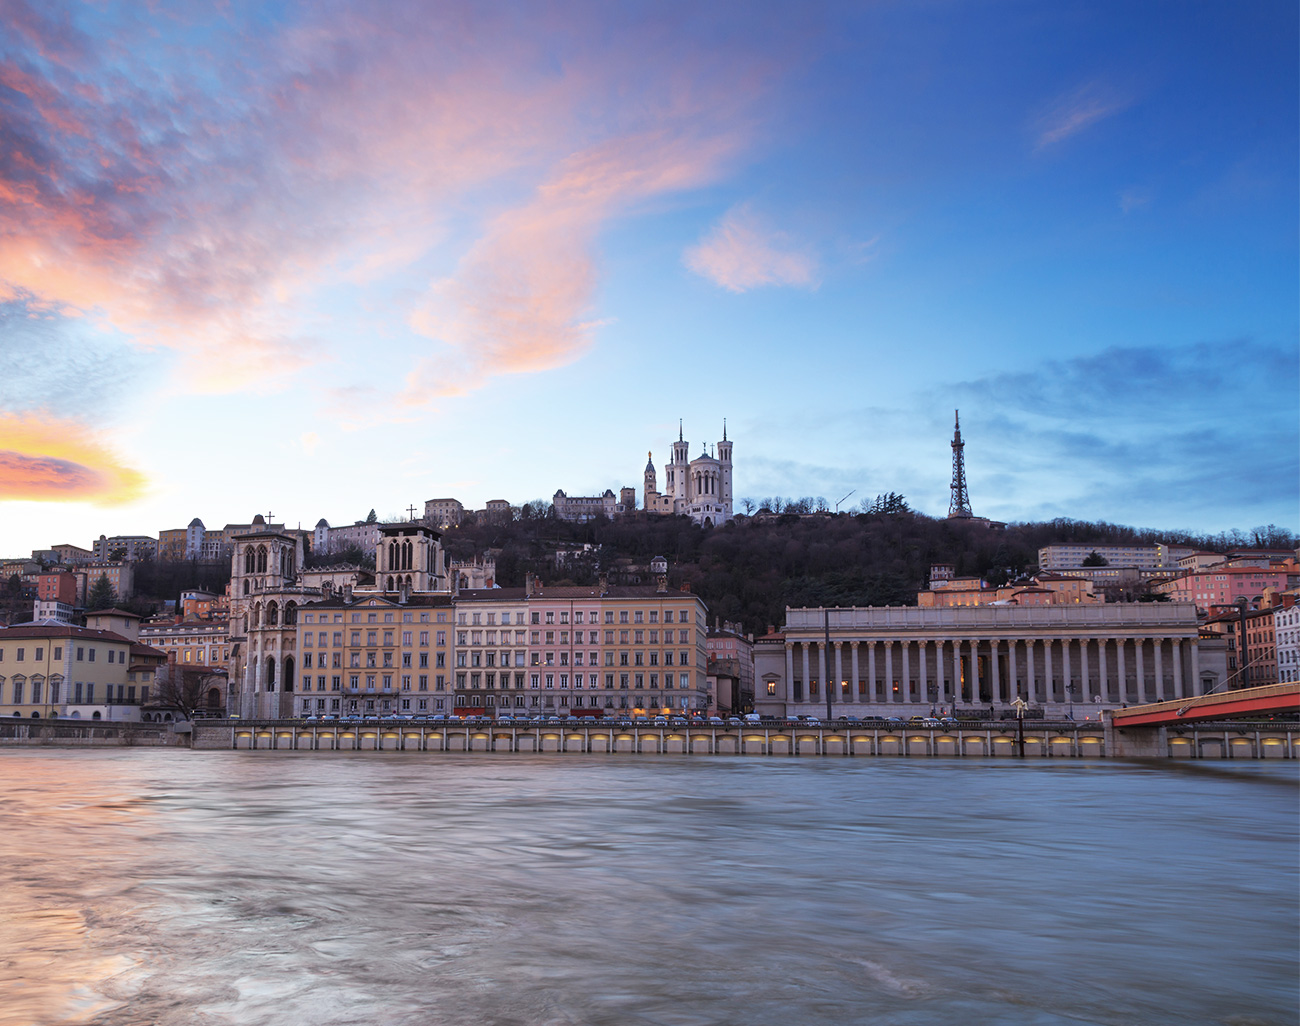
<point x="1223" y="585"/>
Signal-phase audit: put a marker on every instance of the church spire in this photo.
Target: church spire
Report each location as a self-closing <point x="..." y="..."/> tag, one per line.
<point x="724" y="429"/>
<point x="681" y="437"/>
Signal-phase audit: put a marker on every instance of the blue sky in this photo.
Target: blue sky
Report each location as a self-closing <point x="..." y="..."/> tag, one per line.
<point x="314" y="259"/>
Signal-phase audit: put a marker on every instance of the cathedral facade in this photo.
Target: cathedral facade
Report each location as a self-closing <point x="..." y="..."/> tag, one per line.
<point x="698" y="488"/>
<point x="268" y="587"/>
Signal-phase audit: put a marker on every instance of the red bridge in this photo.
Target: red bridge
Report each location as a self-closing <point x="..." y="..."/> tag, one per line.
<point x="1249" y="703"/>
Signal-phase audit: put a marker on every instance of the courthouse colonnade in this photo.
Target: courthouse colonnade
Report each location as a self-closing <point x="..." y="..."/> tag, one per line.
<point x="881" y="660"/>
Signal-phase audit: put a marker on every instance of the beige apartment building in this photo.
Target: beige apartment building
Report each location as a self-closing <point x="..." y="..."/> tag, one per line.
<point x="373" y="655"/>
<point x="50" y="670"/>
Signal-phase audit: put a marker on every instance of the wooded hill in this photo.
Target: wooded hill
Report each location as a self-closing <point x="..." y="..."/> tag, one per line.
<point x="752" y="568"/>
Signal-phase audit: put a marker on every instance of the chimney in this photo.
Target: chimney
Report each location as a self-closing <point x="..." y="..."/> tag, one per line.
<point x="686" y="587"/>
<point x="347" y="594"/>
<point x="661" y="584"/>
<point x="604" y="584"/>
<point x="528" y="585"/>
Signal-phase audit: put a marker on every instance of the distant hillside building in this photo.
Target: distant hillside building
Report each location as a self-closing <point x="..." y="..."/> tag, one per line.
<point x="444" y="513"/>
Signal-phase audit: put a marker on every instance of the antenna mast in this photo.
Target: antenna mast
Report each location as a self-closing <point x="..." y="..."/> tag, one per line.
<point x="959" y="506"/>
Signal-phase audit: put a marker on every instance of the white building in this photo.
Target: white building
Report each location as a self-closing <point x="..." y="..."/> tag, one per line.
<point x="1286" y="631"/>
<point x="361" y="534"/>
<point x="699" y="488"/>
<point x="1067" y="555"/>
<point x="904" y="660"/>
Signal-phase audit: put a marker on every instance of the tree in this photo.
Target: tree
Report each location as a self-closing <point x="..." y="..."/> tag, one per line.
<point x="371" y="518"/>
<point x="101" y="595"/>
<point x="1094" y="558"/>
<point x="185" y="689"/>
<point x="747" y="505"/>
<point x="118" y="555"/>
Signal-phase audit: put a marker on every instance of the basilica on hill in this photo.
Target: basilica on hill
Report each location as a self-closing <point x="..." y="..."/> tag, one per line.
<point x="699" y="488"/>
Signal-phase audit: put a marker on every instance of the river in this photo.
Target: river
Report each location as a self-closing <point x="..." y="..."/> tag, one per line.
<point x="204" y="888"/>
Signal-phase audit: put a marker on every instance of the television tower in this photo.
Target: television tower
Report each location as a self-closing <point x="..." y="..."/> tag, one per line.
<point x="959" y="506"/>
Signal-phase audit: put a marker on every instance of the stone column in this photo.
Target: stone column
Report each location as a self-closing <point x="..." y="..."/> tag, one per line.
<point x="956" y="672"/>
<point x="1196" y="667"/>
<point x="871" y="670"/>
<point x="1085" y="670"/>
<point x="994" y="695"/>
<point x="1179" y="685"/>
<point x="853" y="671"/>
<point x="804" y="646"/>
<point x="974" y="671"/>
<point x="1065" y="669"/>
<point x="1030" y="689"/>
<point x="789" y="670"/>
<point x="907" y="670"/>
<point x="839" y="672"/>
<point x="1121" y="670"/>
<point x="938" y="671"/>
<point x="1013" y="672"/>
<point x="1048" y="690"/>
<point x="1139" y="669"/>
<point x="1103" y="685"/>
<point x="821" y="670"/>
<point x="887" y="650"/>
<point x="922" y="645"/>
<point x="1160" y="669"/>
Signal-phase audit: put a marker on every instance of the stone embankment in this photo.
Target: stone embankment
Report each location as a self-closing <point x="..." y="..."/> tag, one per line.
<point x="17" y="733"/>
<point x="1085" y="741"/>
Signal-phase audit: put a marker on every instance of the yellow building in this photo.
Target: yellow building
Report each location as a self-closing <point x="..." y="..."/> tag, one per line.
<point x="52" y="670"/>
<point x="374" y="656"/>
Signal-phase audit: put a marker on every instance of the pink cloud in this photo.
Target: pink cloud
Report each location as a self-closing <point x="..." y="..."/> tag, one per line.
<point x="1075" y="112"/>
<point x="741" y="252"/>
<point x="341" y="151"/>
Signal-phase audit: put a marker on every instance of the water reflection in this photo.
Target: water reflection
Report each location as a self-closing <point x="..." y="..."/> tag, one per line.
<point x="253" y="888"/>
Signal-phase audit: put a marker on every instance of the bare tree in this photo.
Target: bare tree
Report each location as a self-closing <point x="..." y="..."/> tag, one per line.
<point x="185" y="689"/>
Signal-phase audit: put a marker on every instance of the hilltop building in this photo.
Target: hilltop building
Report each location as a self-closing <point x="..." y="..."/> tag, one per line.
<point x="699" y="488"/>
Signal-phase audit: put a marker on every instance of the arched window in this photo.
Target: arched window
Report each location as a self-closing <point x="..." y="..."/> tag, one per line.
<point x="214" y="698"/>
<point x="94" y="716"/>
<point x="272" y="614"/>
<point x="408" y="554"/>
<point x="288" y="673"/>
<point x="290" y="614"/>
<point x="261" y="559"/>
<point x="250" y="565"/>
<point x="390" y="583"/>
<point x="245" y="585"/>
<point x="270" y="674"/>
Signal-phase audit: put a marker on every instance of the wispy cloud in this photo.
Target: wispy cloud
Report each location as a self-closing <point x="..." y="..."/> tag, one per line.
<point x="742" y="252"/>
<point x="1076" y="111"/>
<point x="206" y="207"/>
<point x="521" y="299"/>
<point x="59" y="460"/>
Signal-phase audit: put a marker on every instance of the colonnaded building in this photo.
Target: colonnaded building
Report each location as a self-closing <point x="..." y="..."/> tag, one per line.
<point x="904" y="660"/>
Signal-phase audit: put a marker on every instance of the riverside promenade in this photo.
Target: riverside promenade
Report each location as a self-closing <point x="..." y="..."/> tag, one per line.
<point x="1087" y="740"/>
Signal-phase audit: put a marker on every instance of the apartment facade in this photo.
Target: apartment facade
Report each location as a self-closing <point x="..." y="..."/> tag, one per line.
<point x="376" y="655"/>
<point x="50" y="670"/>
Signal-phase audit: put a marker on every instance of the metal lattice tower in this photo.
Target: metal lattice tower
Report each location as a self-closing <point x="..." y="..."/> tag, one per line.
<point x="959" y="506"/>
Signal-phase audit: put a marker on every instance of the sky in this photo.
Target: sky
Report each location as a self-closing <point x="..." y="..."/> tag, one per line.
<point x="313" y="259"/>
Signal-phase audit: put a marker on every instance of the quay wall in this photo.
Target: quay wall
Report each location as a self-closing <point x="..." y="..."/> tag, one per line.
<point x="87" y="734"/>
<point x="1083" y="741"/>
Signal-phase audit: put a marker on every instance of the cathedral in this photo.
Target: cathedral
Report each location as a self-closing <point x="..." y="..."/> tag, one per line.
<point x="268" y="586"/>
<point x="698" y="488"/>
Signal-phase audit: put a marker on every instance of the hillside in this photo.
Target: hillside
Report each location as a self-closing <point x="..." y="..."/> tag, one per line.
<point x="750" y="570"/>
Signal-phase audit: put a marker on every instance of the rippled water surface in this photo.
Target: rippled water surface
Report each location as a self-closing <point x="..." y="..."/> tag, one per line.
<point x="171" y="887"/>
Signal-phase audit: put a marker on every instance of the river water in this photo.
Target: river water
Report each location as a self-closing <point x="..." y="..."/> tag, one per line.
<point x="175" y="887"/>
